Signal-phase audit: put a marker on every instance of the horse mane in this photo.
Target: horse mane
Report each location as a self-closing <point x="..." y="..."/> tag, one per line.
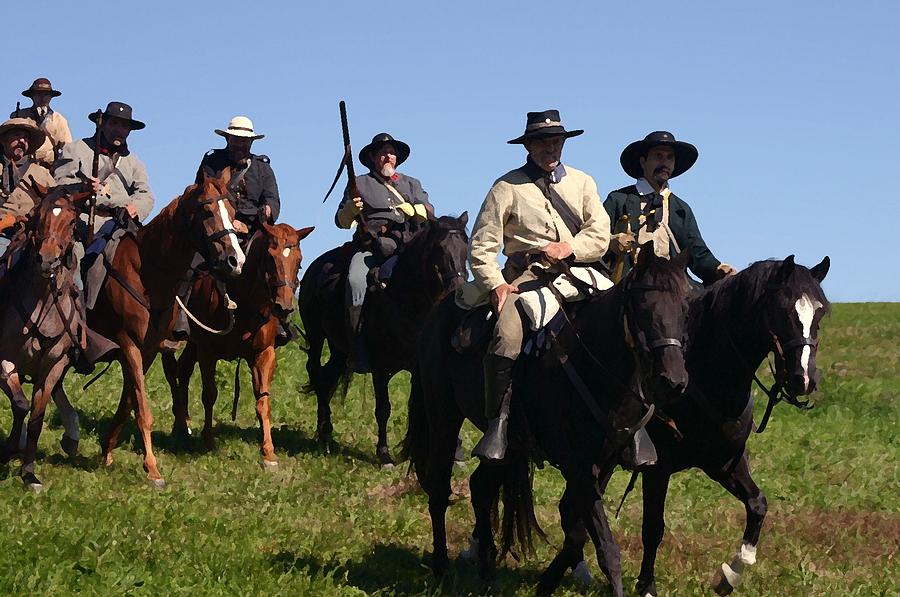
<point x="425" y="237"/>
<point x="737" y="297"/>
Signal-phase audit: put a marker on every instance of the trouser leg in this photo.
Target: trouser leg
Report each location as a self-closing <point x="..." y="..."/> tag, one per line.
<point x="182" y="329"/>
<point x="356" y="290"/>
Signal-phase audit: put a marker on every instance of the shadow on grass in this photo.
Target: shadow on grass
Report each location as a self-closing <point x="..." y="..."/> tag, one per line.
<point x="398" y="570"/>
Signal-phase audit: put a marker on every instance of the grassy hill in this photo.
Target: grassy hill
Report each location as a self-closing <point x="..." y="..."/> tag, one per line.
<point x="338" y="525"/>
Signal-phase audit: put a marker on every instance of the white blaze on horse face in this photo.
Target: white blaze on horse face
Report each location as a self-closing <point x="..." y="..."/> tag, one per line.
<point x="56" y="211"/>
<point x="806" y="309"/>
<point x="226" y="221"/>
<point x="286" y="252"/>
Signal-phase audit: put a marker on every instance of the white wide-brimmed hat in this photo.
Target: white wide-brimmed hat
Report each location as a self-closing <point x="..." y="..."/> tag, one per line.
<point x="240" y="126"/>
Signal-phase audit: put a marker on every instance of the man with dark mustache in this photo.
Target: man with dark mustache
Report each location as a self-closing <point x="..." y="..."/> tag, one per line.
<point x="19" y="138"/>
<point x="648" y="210"/>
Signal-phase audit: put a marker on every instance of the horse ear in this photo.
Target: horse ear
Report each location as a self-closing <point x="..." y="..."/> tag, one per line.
<point x="784" y="271"/>
<point x="304" y="232"/>
<point x="645" y="254"/>
<point x="464" y="218"/>
<point x="821" y="270"/>
<point x="683" y="260"/>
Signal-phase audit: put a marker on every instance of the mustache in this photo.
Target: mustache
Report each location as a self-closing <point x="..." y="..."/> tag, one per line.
<point x="661" y="169"/>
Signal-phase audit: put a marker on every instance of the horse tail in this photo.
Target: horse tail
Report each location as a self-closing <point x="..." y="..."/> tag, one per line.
<point x="519" y="523"/>
<point x="415" y="444"/>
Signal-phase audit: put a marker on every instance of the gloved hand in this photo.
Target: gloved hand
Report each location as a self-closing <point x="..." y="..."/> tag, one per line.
<point x="421" y="212"/>
<point x="622" y="242"/>
<point x="725" y="270"/>
<point x="7" y="221"/>
<point x="349" y="211"/>
<point x="407" y="208"/>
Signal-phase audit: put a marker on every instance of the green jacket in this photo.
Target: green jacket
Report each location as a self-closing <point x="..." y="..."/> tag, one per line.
<point x="681" y="222"/>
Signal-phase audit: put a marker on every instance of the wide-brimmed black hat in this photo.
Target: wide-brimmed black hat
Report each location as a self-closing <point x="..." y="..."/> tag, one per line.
<point x="41" y="84"/>
<point x="685" y="153"/>
<point x="119" y="110"/>
<point x="379" y="140"/>
<point x="542" y="125"/>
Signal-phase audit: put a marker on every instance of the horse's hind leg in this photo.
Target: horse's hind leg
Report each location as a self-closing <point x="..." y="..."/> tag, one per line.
<point x="111" y="436"/>
<point x="380" y="380"/>
<point x="739" y="483"/>
<point x="655" y="485"/>
<point x="485" y="488"/>
<point x="69" y="417"/>
<point x="12" y="387"/>
<point x="178" y="375"/>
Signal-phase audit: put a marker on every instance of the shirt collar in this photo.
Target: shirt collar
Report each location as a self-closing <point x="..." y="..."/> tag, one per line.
<point x="644" y="188"/>
<point x="535" y="172"/>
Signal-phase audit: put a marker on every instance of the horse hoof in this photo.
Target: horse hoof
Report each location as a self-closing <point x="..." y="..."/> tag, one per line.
<point x="157" y="483"/>
<point x="720" y="583"/>
<point x="69" y="446"/>
<point x="646" y="588"/>
<point x="582" y="576"/>
<point x="270" y="466"/>
<point x="32" y="483"/>
<point x="385" y="458"/>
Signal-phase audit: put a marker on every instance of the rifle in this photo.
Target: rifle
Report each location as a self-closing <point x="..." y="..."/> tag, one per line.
<point x="346" y="162"/>
<point x="18" y="107"/>
<point x="95" y="172"/>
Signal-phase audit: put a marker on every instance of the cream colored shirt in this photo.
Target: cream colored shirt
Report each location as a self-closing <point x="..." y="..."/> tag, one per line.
<point x="517" y="218"/>
<point x="57" y="129"/>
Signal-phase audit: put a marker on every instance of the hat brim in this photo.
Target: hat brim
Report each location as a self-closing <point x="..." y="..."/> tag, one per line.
<point x="685" y="156"/>
<point x="29" y="93"/>
<point x="36" y="136"/>
<point x="401" y="147"/>
<point x="544" y="135"/>
<point x="136" y="125"/>
<point x="241" y="134"/>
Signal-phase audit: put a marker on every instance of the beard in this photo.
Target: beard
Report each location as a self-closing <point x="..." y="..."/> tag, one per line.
<point x="387" y="171"/>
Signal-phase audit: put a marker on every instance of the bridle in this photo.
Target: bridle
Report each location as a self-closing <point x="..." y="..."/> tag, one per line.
<point x="209" y="240"/>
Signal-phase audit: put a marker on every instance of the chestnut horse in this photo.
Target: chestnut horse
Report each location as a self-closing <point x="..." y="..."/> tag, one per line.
<point x="42" y="329"/>
<point x="135" y="307"/>
<point x="264" y="294"/>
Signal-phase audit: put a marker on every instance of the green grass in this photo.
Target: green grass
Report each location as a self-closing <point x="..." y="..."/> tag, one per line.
<point x="338" y="525"/>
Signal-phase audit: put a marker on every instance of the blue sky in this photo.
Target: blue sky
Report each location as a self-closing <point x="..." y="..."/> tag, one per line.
<point x="793" y="105"/>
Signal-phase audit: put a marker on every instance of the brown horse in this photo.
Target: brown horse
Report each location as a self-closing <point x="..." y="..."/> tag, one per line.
<point x="264" y="294"/>
<point x="135" y="305"/>
<point x="42" y="326"/>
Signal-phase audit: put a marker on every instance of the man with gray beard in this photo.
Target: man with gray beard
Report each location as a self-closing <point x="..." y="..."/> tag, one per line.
<point x="389" y="211"/>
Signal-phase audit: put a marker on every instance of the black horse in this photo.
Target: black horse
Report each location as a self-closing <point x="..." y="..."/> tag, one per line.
<point x="772" y="306"/>
<point x="430" y="265"/>
<point x="583" y="399"/>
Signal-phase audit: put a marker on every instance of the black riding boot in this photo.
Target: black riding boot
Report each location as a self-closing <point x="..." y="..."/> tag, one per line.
<point x="283" y="334"/>
<point x="359" y="359"/>
<point x="182" y="329"/>
<point x="497" y="393"/>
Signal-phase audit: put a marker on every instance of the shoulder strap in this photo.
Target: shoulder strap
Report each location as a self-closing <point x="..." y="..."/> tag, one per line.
<point x="572" y="221"/>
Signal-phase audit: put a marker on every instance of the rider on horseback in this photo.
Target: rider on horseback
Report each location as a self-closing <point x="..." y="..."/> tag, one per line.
<point x="542" y="210"/>
<point x="256" y="198"/>
<point x="390" y="209"/>
<point x="19" y="139"/>
<point x="648" y="210"/>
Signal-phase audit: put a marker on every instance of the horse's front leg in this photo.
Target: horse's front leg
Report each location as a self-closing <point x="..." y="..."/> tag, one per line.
<point x="39" y="402"/>
<point x="136" y="362"/>
<point x="178" y="375"/>
<point x="590" y="489"/>
<point x="263" y="370"/>
<point x="485" y="489"/>
<point x="655" y="486"/>
<point x="572" y="553"/>
<point x="380" y="380"/>
<point x="71" y="423"/>
<point x="12" y="387"/>
<point x="739" y="483"/>
<point x="209" y="395"/>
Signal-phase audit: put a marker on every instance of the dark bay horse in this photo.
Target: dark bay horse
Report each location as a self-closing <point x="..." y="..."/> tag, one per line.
<point x="264" y="293"/>
<point x="772" y="306"/>
<point x="429" y="266"/>
<point x="582" y="400"/>
<point x="135" y="305"/>
<point x="42" y="328"/>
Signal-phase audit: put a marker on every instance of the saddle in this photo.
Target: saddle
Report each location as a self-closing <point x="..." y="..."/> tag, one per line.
<point x="99" y="254"/>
